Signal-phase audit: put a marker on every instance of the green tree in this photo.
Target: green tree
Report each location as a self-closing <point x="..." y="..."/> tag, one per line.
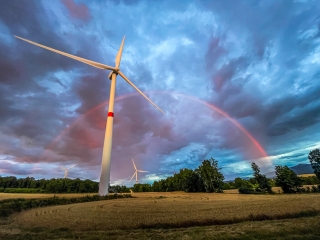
<point x="287" y="179"/>
<point x="244" y="186"/>
<point x="311" y="180"/>
<point x="193" y="183"/>
<point x="210" y="175"/>
<point x="238" y="182"/>
<point x="262" y="180"/>
<point x="314" y="158"/>
<point x="155" y="187"/>
<point x="187" y="180"/>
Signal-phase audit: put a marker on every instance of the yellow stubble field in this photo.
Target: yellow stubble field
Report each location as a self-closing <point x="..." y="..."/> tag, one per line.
<point x="162" y="209"/>
<point x="41" y="195"/>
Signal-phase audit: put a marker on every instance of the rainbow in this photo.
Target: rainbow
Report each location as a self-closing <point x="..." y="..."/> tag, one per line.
<point x="209" y="105"/>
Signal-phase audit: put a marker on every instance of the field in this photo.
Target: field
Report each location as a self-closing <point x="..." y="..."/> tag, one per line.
<point x="306" y="175"/>
<point x="41" y="195"/>
<point x="169" y="215"/>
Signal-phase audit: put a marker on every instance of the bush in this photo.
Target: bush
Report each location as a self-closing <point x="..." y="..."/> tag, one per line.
<point x="246" y="190"/>
<point x="315" y="189"/>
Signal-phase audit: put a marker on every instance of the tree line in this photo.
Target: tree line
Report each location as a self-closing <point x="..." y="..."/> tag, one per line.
<point x="206" y="178"/>
<point x="12" y="184"/>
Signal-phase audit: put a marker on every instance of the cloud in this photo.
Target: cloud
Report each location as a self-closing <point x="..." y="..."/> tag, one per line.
<point x="255" y="60"/>
<point x="79" y="11"/>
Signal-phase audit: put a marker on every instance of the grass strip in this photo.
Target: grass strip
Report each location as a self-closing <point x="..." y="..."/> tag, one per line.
<point x="304" y="229"/>
<point x="10" y="206"/>
<point x="212" y="221"/>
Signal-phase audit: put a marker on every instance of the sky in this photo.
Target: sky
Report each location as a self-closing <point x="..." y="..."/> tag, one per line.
<point x="239" y="82"/>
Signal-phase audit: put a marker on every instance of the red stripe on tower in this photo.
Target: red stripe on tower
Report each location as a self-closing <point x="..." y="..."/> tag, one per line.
<point x="110" y="114"/>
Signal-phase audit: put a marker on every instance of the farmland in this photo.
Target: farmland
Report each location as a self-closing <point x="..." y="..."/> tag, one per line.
<point x="40" y="195"/>
<point x="200" y="212"/>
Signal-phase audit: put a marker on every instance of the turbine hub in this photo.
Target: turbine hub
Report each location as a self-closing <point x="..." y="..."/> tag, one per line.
<point x="116" y="70"/>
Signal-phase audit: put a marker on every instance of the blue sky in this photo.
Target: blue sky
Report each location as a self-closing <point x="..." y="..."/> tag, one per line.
<point x="256" y="62"/>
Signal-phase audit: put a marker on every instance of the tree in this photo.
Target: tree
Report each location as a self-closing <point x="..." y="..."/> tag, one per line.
<point x="209" y="173"/>
<point x="314" y="158"/>
<point x="287" y="179"/>
<point x="262" y="180"/>
<point x="186" y="180"/>
<point x="141" y="187"/>
<point x="239" y="182"/>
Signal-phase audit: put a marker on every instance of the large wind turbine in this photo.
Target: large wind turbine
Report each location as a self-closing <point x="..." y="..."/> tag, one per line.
<point x="66" y="170"/>
<point x="136" y="172"/>
<point x="106" y="153"/>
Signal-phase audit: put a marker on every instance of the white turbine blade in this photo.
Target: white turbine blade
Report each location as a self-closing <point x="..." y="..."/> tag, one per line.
<point x="133" y="176"/>
<point x="134" y="165"/>
<point x="63" y="168"/>
<point x="72" y="166"/>
<point x="89" y="62"/>
<point x="118" y="58"/>
<point x="132" y="85"/>
<point x="142" y="171"/>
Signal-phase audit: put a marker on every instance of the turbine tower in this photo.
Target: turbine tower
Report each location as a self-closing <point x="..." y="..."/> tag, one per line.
<point x="66" y="170"/>
<point x="136" y="172"/>
<point x="107" y="145"/>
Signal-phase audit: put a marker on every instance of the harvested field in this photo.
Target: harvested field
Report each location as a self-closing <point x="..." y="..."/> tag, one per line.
<point x="42" y="195"/>
<point x="177" y="209"/>
<point x="307" y="175"/>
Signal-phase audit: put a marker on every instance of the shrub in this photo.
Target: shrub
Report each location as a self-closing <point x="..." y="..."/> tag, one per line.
<point x="246" y="190"/>
<point x="315" y="189"/>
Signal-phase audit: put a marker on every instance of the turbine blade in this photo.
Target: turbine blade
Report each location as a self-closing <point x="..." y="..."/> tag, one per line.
<point x="89" y="62"/>
<point x="63" y="168"/>
<point x="118" y="58"/>
<point x="133" y="176"/>
<point x="134" y="165"/>
<point x="132" y="85"/>
<point x="72" y="166"/>
<point x="142" y="171"/>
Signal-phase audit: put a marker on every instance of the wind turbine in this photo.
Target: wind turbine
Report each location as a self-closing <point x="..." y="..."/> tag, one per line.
<point x="136" y="172"/>
<point x="107" y="145"/>
<point x="66" y="170"/>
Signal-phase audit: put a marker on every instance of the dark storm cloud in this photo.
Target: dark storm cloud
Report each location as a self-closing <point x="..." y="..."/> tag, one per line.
<point x="255" y="60"/>
<point x="29" y="110"/>
<point x="92" y="90"/>
<point x="227" y="72"/>
<point x="282" y="28"/>
<point x="9" y="168"/>
<point x="293" y="112"/>
<point x="79" y="11"/>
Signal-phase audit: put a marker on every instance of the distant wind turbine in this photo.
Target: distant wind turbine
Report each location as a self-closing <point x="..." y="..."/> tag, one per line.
<point x="66" y="170"/>
<point x="106" y="153"/>
<point x="136" y="172"/>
